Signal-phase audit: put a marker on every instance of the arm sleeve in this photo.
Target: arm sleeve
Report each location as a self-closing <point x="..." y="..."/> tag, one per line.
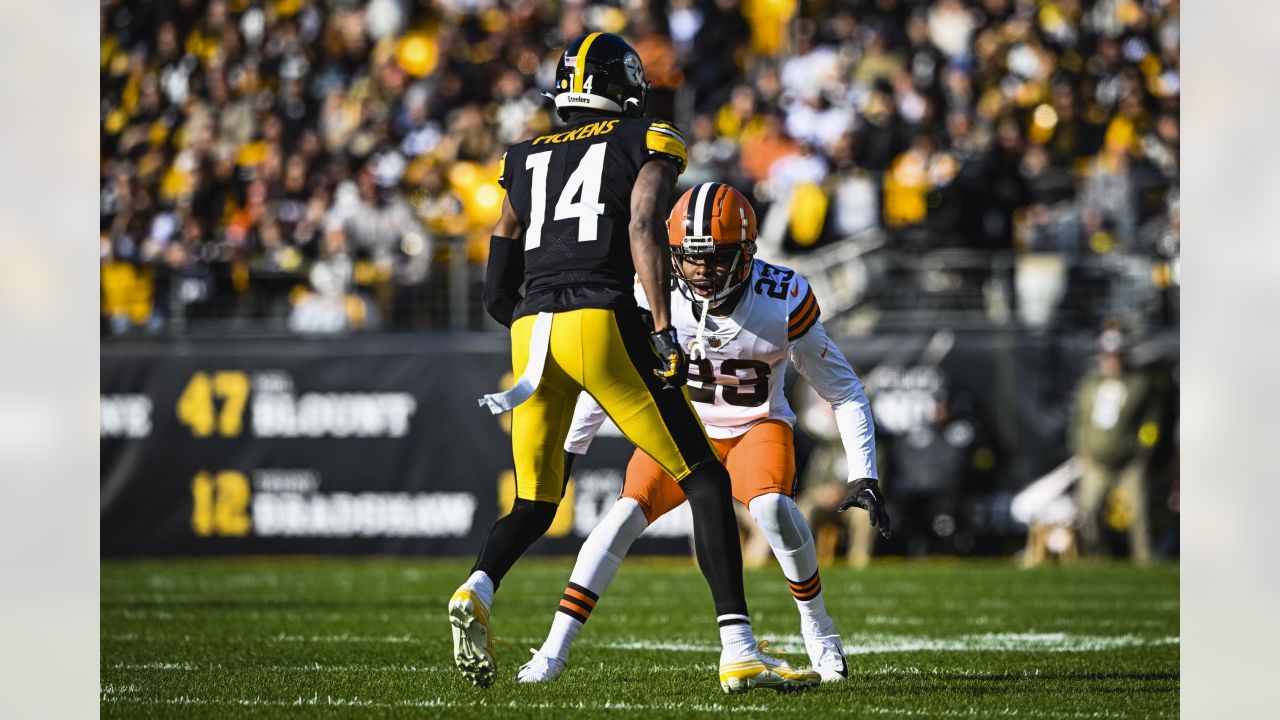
<point x="642" y="300"/>
<point x="588" y="416"/>
<point x="817" y="358"/>
<point x="502" y="278"/>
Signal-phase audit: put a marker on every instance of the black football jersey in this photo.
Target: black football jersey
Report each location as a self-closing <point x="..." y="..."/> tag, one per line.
<point x="572" y="192"/>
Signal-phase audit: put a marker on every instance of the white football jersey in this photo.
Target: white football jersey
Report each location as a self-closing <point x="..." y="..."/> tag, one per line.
<point x="740" y="381"/>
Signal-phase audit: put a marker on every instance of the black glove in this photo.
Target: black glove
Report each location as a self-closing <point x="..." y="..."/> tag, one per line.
<point x="865" y="493"/>
<point x="674" y="370"/>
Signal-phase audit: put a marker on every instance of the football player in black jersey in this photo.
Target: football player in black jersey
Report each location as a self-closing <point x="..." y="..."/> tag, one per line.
<point x="583" y="216"/>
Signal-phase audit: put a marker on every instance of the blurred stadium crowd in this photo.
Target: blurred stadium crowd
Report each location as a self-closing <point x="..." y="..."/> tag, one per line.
<point x="329" y="165"/>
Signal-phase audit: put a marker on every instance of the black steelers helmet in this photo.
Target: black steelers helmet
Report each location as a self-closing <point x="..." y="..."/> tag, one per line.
<point x="600" y="71"/>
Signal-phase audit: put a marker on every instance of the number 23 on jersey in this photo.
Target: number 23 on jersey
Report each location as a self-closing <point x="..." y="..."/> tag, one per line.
<point x="752" y="390"/>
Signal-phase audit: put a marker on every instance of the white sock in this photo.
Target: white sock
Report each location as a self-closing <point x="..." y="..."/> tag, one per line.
<point x="814" y="619"/>
<point x="784" y="526"/>
<point x="597" y="564"/>
<point x="481" y="584"/>
<point x="564" y="630"/>
<point x="736" y="639"/>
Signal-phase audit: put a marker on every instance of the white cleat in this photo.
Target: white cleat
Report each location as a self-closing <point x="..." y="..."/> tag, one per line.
<point x="827" y="656"/>
<point x="542" y="668"/>
<point x="763" y="671"/>
<point x="472" y="640"/>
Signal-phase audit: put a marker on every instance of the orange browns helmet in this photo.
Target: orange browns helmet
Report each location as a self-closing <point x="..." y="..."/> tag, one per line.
<point x="712" y="221"/>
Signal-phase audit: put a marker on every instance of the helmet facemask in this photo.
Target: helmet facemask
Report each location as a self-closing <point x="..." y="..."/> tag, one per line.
<point x="727" y="267"/>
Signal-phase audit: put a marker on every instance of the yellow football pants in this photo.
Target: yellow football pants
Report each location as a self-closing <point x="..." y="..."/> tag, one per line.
<point x="607" y="353"/>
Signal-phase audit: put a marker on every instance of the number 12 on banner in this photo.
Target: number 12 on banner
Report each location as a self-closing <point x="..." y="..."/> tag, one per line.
<point x="220" y="504"/>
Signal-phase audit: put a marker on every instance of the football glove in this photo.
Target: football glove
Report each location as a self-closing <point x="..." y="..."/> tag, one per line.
<point x="674" y="367"/>
<point x="865" y="493"/>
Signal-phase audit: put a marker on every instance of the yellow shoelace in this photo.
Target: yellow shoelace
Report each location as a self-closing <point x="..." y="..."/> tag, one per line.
<point x="764" y="647"/>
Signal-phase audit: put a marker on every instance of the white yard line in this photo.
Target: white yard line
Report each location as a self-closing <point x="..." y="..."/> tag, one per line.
<point x="987" y="712"/>
<point x="331" y="701"/>
<point x="701" y="708"/>
<point x="864" y="644"/>
<point x="896" y="620"/>
<point x="310" y="667"/>
<point x="854" y="644"/>
<point x="278" y="637"/>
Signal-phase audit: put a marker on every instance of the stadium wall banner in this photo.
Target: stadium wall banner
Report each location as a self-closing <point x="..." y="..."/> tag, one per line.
<point x="369" y="445"/>
<point x="377" y="445"/>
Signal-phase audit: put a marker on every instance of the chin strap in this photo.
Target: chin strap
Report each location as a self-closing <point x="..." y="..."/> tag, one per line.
<point x="698" y="351"/>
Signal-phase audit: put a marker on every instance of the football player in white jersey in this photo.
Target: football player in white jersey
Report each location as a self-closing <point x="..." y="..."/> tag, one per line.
<point x="743" y="320"/>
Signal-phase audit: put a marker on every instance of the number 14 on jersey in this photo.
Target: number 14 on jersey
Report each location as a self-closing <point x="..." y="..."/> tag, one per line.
<point x="584" y="182"/>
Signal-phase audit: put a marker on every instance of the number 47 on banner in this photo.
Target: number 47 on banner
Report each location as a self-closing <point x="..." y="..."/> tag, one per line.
<point x="196" y="404"/>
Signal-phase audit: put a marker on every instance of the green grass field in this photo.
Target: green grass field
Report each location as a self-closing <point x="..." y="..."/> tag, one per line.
<point x="349" y="638"/>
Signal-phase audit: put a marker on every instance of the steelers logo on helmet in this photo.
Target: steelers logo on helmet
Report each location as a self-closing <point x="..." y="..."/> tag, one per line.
<point x="712" y="234"/>
<point x="600" y="72"/>
<point x="635" y="71"/>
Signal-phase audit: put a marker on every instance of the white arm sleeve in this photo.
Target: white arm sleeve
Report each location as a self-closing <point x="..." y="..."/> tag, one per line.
<point x="641" y="299"/>
<point x="588" y="416"/>
<point x="817" y="358"/>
